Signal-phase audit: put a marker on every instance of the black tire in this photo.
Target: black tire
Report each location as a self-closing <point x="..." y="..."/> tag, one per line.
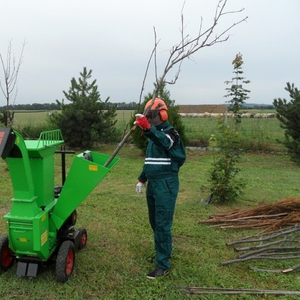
<point x="65" y="261"/>
<point x="82" y="238"/>
<point x="7" y="257"/>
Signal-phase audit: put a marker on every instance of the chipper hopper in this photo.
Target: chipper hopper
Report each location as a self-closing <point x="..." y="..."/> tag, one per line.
<point x="42" y="217"/>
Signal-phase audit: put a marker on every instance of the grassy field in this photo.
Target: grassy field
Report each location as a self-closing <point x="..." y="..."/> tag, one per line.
<point x="114" y="263"/>
<point x="33" y="118"/>
<point x="257" y="134"/>
<point x="40" y="117"/>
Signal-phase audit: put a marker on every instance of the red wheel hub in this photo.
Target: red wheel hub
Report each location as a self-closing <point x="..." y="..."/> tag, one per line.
<point x="7" y="257"/>
<point x="83" y="239"/>
<point x="70" y="262"/>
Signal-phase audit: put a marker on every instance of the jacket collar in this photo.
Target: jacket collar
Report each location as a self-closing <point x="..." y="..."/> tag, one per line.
<point x="163" y="125"/>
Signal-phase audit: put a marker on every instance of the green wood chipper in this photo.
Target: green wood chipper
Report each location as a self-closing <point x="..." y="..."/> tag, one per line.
<point x="42" y="216"/>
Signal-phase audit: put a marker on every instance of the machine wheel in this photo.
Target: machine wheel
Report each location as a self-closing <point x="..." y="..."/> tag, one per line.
<point x="6" y="255"/>
<point x="82" y="238"/>
<point x="65" y="261"/>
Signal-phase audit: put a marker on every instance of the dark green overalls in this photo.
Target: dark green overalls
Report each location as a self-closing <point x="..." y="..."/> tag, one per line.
<point x="165" y="154"/>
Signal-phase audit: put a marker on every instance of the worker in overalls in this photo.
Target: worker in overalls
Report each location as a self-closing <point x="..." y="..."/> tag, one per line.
<point x="165" y="154"/>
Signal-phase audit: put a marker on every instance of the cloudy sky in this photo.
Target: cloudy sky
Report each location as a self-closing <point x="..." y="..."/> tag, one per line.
<point x="114" y="38"/>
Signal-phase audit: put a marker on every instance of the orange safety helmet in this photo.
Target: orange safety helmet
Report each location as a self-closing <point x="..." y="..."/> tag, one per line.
<point x="160" y="106"/>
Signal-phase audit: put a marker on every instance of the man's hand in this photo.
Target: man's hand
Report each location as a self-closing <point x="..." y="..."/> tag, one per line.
<point x="142" y="122"/>
<point x="139" y="187"/>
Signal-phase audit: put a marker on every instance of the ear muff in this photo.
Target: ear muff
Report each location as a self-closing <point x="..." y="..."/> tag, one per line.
<point x="163" y="115"/>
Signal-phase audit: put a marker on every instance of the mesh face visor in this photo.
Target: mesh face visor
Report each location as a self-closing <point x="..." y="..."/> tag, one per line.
<point x="152" y="114"/>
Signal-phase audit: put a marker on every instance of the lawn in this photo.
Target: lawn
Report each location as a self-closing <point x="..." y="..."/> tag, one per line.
<point x="114" y="263"/>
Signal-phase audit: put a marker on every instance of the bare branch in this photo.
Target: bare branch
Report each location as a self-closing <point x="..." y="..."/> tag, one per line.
<point x="11" y="72"/>
<point x="230" y="291"/>
<point x="185" y="49"/>
<point x="189" y="46"/>
<point x="147" y="68"/>
<point x="155" y="55"/>
<point x="4" y="68"/>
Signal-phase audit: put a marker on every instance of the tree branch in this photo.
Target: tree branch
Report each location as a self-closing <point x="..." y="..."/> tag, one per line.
<point x="185" y="49"/>
<point x="11" y="72"/>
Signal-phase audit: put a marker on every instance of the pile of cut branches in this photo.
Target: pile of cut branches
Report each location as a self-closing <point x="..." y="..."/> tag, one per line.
<point x="268" y="216"/>
<point x="282" y="244"/>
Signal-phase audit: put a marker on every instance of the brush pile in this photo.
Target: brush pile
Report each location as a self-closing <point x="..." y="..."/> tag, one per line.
<point x="267" y="216"/>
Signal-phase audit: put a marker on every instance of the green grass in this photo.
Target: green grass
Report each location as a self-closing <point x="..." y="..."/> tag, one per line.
<point x="114" y="263"/>
<point x="257" y="134"/>
<point x="39" y="117"/>
<point x="33" y="118"/>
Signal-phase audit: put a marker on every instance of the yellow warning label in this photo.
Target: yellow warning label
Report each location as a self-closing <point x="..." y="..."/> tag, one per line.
<point x="44" y="237"/>
<point x="93" y="167"/>
<point x="23" y="240"/>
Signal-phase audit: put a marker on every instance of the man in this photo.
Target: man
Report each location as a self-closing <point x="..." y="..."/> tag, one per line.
<point x="165" y="154"/>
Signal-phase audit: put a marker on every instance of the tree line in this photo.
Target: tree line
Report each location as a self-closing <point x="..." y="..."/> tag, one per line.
<point x="118" y="105"/>
<point x="56" y="106"/>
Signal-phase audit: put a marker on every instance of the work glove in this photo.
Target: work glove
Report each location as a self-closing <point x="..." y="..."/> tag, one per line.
<point x="142" y="122"/>
<point x="139" y="187"/>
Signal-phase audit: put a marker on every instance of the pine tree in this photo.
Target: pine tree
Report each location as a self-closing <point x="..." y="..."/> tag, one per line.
<point x="84" y="121"/>
<point x="288" y="113"/>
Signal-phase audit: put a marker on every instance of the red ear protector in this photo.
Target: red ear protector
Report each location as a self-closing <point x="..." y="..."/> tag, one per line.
<point x="163" y="115"/>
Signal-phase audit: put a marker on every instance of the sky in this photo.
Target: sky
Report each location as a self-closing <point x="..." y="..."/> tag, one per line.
<point x="115" y="38"/>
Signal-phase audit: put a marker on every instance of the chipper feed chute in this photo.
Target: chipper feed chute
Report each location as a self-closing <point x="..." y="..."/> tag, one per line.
<point x="41" y="221"/>
<point x="86" y="172"/>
